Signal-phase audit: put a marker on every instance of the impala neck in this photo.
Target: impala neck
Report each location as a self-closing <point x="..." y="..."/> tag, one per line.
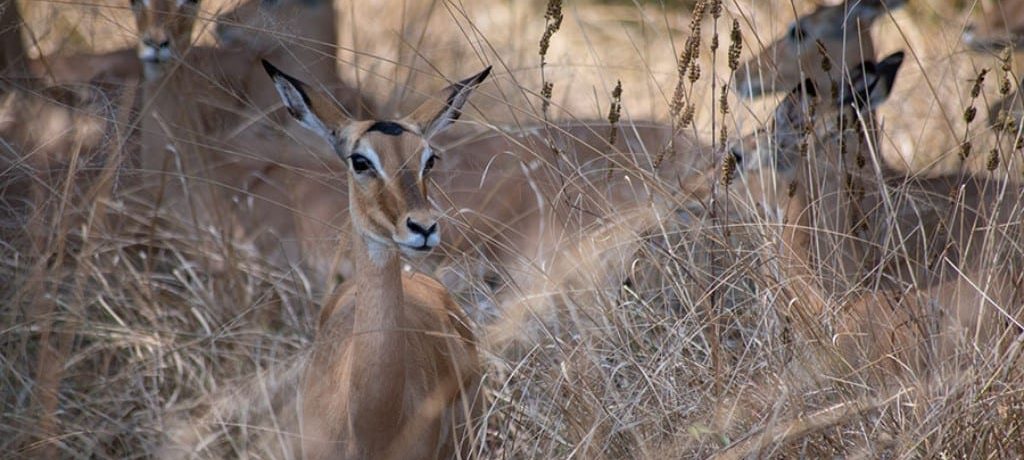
<point x="799" y="282"/>
<point x="379" y="343"/>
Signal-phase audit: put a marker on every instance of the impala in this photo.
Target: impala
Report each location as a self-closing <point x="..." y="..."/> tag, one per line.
<point x="301" y="37"/>
<point x="394" y="368"/>
<point x="920" y="326"/>
<point x="841" y="33"/>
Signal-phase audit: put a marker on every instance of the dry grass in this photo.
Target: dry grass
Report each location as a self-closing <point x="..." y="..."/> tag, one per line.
<point x="666" y="342"/>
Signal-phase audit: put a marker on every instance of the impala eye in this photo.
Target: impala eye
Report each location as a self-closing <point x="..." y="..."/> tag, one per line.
<point x="429" y="164"/>
<point x="360" y="164"/>
<point x="796" y="33"/>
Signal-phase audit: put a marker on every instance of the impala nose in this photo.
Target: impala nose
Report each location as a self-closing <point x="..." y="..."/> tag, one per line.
<point x="155" y="50"/>
<point x="420" y="229"/>
<point x="423" y="236"/>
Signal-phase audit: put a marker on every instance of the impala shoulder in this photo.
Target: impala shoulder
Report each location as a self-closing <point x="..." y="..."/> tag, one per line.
<point x="338" y="308"/>
<point x="435" y="302"/>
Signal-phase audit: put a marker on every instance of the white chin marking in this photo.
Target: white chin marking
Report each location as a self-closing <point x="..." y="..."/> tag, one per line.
<point x="412" y="241"/>
<point x="379" y="252"/>
<point x="147" y="53"/>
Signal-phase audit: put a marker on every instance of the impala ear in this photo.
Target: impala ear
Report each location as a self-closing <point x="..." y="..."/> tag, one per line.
<point x="870" y="83"/>
<point x="440" y="112"/>
<point x="311" y="109"/>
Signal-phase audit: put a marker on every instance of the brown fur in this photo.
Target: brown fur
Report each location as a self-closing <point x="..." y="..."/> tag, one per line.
<point x="897" y="327"/>
<point x="843" y="32"/>
<point x="1001" y="25"/>
<point x="301" y="38"/>
<point x="394" y="371"/>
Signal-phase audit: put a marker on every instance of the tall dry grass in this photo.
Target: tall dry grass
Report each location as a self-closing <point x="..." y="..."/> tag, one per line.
<point x="658" y="336"/>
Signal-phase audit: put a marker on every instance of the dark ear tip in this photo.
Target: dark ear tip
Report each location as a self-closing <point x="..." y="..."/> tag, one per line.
<point x="271" y="70"/>
<point x="484" y="74"/>
<point x="895" y="59"/>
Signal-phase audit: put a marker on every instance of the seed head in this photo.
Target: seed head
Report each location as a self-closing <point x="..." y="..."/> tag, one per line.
<point x="965" y="150"/>
<point x="686" y="117"/>
<point x="728" y="169"/>
<point x="969" y="114"/>
<point x="735" y="46"/>
<point x="993" y="160"/>
<point x="694" y="72"/>
<point x="545" y="93"/>
<point x="553" y="17"/>
<point x="976" y="89"/>
<point x="723" y="103"/>
<point x="615" y="111"/>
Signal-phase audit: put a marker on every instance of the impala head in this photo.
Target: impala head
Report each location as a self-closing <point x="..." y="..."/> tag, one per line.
<point x="165" y="30"/>
<point x="265" y="24"/>
<point x="1000" y="27"/>
<point x="840" y="32"/>
<point x="769" y="161"/>
<point x="389" y="161"/>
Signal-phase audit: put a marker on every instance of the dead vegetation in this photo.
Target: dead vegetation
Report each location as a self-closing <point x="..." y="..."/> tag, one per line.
<point x="648" y="316"/>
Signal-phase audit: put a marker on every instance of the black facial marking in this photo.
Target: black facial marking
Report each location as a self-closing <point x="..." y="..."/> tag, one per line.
<point x="389" y="128"/>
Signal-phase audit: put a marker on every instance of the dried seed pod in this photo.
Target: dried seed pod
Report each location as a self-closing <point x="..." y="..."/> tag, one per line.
<point x="969" y="114"/>
<point x="553" y="17"/>
<point x="716" y="8"/>
<point x="545" y="93"/>
<point x="735" y="46"/>
<point x="687" y="116"/>
<point x="976" y="89"/>
<point x="965" y="150"/>
<point x="728" y="169"/>
<point x="993" y="160"/>
<point x="723" y="103"/>
<point x="615" y="112"/>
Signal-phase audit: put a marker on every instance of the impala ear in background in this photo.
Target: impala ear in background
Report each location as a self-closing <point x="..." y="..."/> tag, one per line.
<point x="311" y="109"/>
<point x="869" y="10"/>
<point x="441" y="111"/>
<point x="870" y="83"/>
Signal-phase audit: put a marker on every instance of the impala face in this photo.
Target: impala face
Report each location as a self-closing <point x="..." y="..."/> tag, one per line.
<point x="840" y="32"/>
<point x="389" y="161"/>
<point x="165" y="30"/>
<point x="389" y="164"/>
<point x="769" y="161"/>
